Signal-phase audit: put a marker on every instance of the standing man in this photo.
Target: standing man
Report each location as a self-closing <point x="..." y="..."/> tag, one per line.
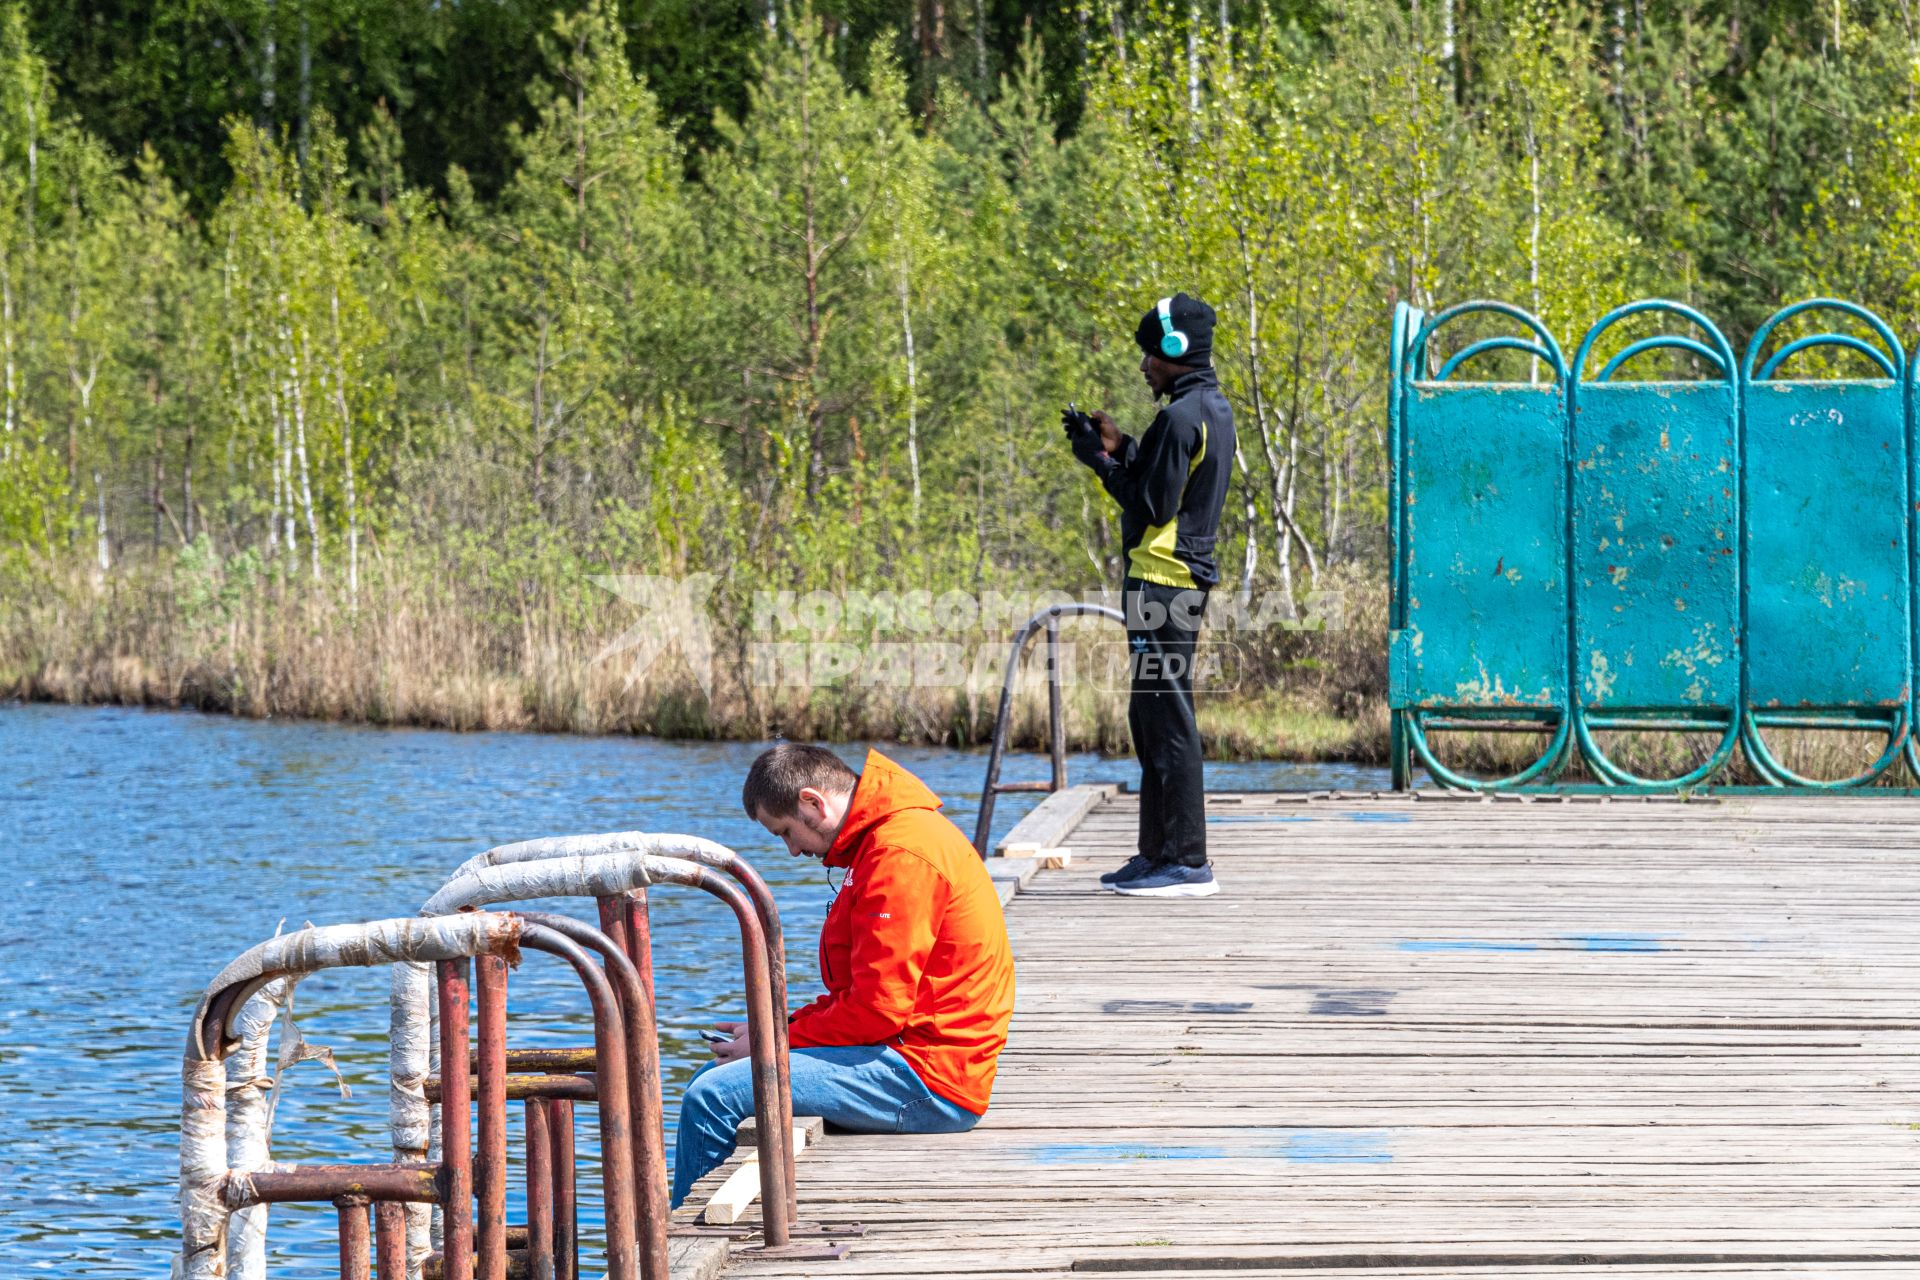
<point x="1171" y="485"/>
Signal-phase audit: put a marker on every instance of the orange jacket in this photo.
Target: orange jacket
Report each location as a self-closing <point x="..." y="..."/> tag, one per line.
<point x="914" y="951"/>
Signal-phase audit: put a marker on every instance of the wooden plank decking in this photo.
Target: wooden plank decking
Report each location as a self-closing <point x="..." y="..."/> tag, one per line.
<point x="1441" y="1037"/>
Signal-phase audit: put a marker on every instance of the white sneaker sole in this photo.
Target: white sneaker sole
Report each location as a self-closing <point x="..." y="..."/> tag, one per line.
<point x="1206" y="890"/>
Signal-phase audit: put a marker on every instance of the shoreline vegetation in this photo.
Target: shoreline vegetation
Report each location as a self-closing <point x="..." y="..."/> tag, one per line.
<point x="441" y="649"/>
<point x="434" y="650"/>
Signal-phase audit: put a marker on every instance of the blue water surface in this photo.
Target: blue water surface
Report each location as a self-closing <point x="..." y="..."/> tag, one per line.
<point x="148" y="848"/>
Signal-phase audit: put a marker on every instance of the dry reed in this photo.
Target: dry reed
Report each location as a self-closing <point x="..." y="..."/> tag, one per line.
<point x="425" y="645"/>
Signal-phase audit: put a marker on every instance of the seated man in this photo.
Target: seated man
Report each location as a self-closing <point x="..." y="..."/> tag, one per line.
<point x="914" y="954"/>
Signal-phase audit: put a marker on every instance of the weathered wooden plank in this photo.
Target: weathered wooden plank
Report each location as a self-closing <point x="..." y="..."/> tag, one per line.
<point x="694" y="1258"/>
<point x="1047" y="825"/>
<point x="727" y="1203"/>
<point x="1440" y="1037"/>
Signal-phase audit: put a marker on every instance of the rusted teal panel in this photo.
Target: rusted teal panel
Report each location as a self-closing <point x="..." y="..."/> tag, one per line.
<point x="1739" y="553"/>
<point x="1827" y="554"/>
<point x="1484" y="517"/>
<point x="1655" y="555"/>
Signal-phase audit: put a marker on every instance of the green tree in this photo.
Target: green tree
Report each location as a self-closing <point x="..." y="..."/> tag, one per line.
<point x="593" y="234"/>
<point x="799" y="255"/>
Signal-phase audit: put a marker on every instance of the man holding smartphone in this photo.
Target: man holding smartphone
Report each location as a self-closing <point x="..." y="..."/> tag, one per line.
<point x="914" y="955"/>
<point x="1171" y="486"/>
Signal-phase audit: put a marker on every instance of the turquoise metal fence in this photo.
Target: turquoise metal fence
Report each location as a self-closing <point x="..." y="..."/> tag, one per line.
<point x="1582" y="553"/>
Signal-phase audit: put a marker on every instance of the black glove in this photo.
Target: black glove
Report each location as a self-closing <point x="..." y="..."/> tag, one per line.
<point x="1082" y="435"/>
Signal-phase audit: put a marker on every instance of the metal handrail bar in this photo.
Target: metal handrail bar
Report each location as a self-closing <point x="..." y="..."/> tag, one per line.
<point x="625" y="919"/>
<point x="1049" y="620"/>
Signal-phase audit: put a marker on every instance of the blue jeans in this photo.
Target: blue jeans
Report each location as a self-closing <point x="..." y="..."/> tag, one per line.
<point x="866" y="1088"/>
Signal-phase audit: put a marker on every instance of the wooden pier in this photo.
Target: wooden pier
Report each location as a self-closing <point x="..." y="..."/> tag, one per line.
<point x="1438" y="1036"/>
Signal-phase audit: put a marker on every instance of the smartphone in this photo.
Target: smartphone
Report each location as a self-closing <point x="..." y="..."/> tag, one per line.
<point x="716" y="1037"/>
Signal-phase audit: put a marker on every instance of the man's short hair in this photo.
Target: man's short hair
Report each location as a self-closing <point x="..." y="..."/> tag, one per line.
<point x="776" y="779"/>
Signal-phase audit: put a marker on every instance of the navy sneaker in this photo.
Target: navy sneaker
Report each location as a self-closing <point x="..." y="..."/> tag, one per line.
<point x="1171" y="880"/>
<point x="1138" y="865"/>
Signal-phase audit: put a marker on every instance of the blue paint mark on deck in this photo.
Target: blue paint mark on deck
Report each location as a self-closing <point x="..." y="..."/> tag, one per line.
<point x="1641" y="942"/>
<point x="1359" y="1002"/>
<point x="1339" y="1146"/>
<point x="1295" y="1146"/>
<point x="1637" y="943"/>
<point x="1113" y="1152"/>
<point x="1379" y="817"/>
<point x="1258" y="817"/>
<point x="1125" y="1008"/>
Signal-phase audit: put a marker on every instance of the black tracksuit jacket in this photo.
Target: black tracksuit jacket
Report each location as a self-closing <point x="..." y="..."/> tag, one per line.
<point x="1171" y="485"/>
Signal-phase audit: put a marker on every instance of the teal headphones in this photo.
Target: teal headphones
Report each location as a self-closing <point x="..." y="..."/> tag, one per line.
<point x="1173" y="343"/>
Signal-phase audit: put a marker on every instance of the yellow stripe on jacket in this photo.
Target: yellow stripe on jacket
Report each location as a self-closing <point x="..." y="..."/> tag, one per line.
<point x="1153" y="559"/>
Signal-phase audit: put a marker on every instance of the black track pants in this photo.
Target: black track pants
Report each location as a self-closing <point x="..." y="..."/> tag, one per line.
<point x="1162" y="625"/>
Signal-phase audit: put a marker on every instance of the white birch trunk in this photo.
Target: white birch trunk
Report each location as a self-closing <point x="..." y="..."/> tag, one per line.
<point x="243" y="419"/>
<point x="346" y="442"/>
<point x="100" y="523"/>
<point x="297" y="405"/>
<point x="1533" y="236"/>
<point x="6" y="343"/>
<point x="913" y="399"/>
<point x="33" y="160"/>
<point x="280" y="525"/>
<point x="980" y="47"/>
<point x="1252" y="515"/>
<point x="1287" y="508"/>
<point x="306" y="78"/>
<point x="1193" y="67"/>
<point x="269" y="50"/>
<point x="1279" y="480"/>
<point x="1420" y="253"/>
<point x="1337" y="478"/>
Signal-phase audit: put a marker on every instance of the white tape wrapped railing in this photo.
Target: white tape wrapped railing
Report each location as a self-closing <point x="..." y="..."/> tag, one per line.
<point x="600" y="866"/>
<point x="250" y="1123"/>
<point x="413" y="1122"/>
<point x="229" y="1020"/>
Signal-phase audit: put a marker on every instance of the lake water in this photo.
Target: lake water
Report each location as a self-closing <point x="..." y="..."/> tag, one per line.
<point x="147" y="849"/>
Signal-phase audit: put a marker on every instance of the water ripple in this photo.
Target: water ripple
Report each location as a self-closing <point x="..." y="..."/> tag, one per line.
<point x="149" y="848"/>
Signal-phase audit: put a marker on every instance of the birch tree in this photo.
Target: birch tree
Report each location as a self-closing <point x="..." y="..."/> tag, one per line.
<point x="797" y="203"/>
<point x="591" y="234"/>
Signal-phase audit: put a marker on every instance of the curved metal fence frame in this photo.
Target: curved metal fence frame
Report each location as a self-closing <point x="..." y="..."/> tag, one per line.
<point x="1413" y="332"/>
<point x="1725" y="705"/>
<point x="1895" y="720"/>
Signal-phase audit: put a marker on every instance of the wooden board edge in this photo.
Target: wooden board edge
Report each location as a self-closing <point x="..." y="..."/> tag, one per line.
<point x="1053" y="820"/>
<point x="728" y="1204"/>
<point x="692" y="1258"/>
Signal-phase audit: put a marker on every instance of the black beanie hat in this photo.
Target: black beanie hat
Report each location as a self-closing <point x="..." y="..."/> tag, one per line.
<point x="1191" y="317"/>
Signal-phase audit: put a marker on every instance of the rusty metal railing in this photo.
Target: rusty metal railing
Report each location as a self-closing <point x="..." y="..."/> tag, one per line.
<point x="443" y="1077"/>
<point x="1047" y="620"/>
<point x="212" y="1190"/>
<point x="626" y="919"/>
<point x="616" y="869"/>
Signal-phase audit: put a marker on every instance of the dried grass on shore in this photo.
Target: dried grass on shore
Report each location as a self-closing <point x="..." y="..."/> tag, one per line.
<point x="426" y="646"/>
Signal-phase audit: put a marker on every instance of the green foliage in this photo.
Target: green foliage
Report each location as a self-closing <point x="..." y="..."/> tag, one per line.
<point x="36" y="515"/>
<point x="210" y="592"/>
<point x="794" y="295"/>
